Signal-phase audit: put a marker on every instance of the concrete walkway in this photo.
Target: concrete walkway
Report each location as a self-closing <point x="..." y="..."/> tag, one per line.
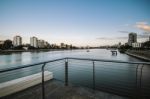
<point x="132" y="53"/>
<point x="56" y="90"/>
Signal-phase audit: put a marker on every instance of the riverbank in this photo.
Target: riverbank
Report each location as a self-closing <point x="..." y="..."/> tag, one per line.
<point x="39" y="50"/>
<point x="144" y="55"/>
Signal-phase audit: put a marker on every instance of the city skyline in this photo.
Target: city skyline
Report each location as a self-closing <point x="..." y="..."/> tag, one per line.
<point x="77" y="22"/>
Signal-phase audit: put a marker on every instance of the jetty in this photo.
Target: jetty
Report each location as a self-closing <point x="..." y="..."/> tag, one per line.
<point x="114" y="52"/>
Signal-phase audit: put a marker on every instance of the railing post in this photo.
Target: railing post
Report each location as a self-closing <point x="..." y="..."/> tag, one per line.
<point x="66" y="72"/>
<point x="139" y="82"/>
<point x="137" y="87"/>
<point x="43" y="84"/>
<point x="140" y="87"/>
<point x="93" y="75"/>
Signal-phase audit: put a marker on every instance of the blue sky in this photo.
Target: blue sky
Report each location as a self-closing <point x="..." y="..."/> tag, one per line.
<point x="77" y="22"/>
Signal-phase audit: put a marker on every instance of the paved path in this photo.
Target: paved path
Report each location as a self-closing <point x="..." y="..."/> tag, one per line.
<point x="56" y="90"/>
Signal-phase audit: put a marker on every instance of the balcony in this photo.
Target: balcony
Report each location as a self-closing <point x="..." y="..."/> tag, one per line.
<point x="78" y="78"/>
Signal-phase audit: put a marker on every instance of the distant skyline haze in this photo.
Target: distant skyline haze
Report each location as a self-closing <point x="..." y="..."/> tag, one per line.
<point x="77" y="22"/>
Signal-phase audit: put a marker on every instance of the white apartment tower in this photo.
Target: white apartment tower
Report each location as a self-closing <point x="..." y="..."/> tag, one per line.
<point x="34" y="42"/>
<point x="17" y="41"/>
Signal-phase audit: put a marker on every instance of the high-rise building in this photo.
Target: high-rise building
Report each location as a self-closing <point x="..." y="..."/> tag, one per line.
<point x="62" y="45"/>
<point x="34" y="42"/>
<point x="132" y="38"/>
<point x="41" y="43"/>
<point x="17" y="41"/>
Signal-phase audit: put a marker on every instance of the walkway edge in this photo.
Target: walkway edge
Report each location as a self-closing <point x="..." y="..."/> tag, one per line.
<point x="137" y="56"/>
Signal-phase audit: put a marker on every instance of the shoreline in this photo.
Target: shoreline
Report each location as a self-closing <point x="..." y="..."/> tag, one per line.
<point x="4" y="52"/>
<point x="39" y="50"/>
<point x="142" y="57"/>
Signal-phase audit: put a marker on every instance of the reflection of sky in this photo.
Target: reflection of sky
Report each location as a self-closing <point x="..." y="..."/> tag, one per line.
<point x="78" y="22"/>
<point x="29" y="57"/>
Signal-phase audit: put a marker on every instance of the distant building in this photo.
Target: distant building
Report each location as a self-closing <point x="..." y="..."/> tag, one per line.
<point x="1" y="42"/>
<point x="119" y="44"/>
<point x="41" y="43"/>
<point x="137" y="45"/>
<point x="132" y="38"/>
<point x="17" y="41"/>
<point x="34" y="42"/>
<point x="62" y="45"/>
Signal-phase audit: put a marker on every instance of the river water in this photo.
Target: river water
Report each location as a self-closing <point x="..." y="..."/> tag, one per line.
<point x="18" y="59"/>
<point x="113" y="77"/>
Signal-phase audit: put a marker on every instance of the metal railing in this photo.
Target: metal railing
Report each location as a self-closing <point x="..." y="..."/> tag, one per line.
<point x="117" y="79"/>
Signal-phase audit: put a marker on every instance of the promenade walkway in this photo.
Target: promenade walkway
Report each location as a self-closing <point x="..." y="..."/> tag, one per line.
<point x="144" y="55"/>
<point x="56" y="90"/>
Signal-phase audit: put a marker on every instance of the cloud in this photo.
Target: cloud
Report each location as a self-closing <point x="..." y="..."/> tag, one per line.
<point x="143" y="26"/>
<point x="139" y="36"/>
<point x="121" y="37"/>
<point x="124" y="31"/>
<point x="106" y="38"/>
<point x="142" y="36"/>
<point x="4" y="37"/>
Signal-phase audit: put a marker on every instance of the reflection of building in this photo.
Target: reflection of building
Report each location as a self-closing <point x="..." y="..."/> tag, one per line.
<point x="132" y="38"/>
<point x="136" y="45"/>
<point x="17" y="41"/>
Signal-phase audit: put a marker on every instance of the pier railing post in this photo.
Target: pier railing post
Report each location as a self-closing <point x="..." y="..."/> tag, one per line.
<point x="66" y="72"/>
<point x="136" y="83"/>
<point x="43" y="84"/>
<point x="139" y="81"/>
<point x="93" y="75"/>
<point x="140" y="86"/>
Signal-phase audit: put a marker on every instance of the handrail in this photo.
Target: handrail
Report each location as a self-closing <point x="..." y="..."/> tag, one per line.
<point x="89" y="59"/>
<point x="115" y="61"/>
<point x="29" y="65"/>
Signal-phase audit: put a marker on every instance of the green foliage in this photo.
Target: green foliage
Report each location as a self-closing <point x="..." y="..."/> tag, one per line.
<point x="18" y="47"/>
<point x="7" y="44"/>
<point x="146" y="44"/>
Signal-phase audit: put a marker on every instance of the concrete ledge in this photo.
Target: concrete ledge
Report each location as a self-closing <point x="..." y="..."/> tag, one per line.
<point x="19" y="84"/>
<point x="137" y="56"/>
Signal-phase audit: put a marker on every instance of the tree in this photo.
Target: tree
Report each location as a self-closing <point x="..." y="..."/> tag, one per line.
<point x="146" y="44"/>
<point x="7" y="44"/>
<point x="20" y="47"/>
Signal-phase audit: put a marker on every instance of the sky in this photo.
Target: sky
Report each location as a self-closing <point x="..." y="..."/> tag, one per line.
<point x="77" y="22"/>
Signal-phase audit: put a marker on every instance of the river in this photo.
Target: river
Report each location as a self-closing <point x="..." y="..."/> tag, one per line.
<point x="113" y="77"/>
<point x="18" y="59"/>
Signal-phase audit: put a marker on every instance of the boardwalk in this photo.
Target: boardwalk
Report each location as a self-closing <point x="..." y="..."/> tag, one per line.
<point x="56" y="90"/>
